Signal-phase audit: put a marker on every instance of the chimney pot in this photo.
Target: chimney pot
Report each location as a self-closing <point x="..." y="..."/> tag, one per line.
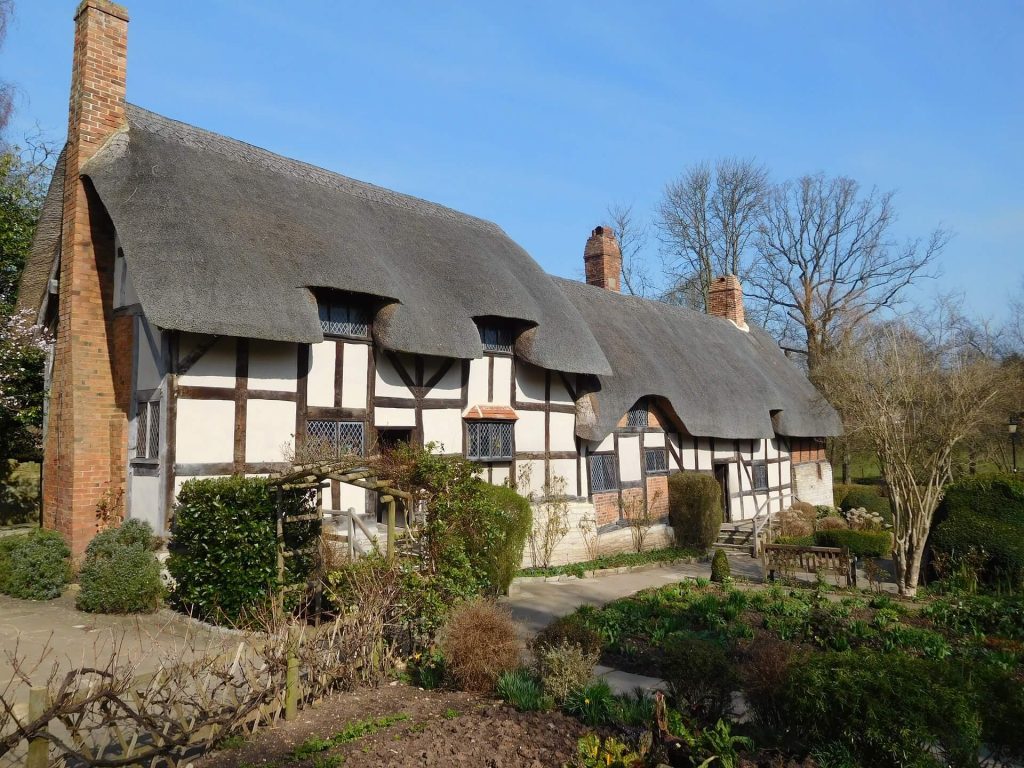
<point x="602" y="259"/>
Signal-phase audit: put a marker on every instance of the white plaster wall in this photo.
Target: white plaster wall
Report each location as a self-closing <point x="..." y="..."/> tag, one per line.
<point x="629" y="458"/>
<point x="703" y="458"/>
<point x="356" y="362"/>
<point x="807" y="486"/>
<point x="149" y="372"/>
<point x="269" y="427"/>
<point x="450" y="385"/>
<point x="272" y="365"/>
<point x="499" y="474"/>
<point x="581" y="468"/>
<point x="502" y="380"/>
<point x="145" y="500"/>
<point x="387" y="382"/>
<point x="320" y="380"/>
<point x="205" y="431"/>
<point x="563" y="431"/>
<point x="529" y="383"/>
<point x="478" y="372"/>
<point x="559" y="394"/>
<point x="566" y="469"/>
<point x="535" y="469"/>
<point x="443" y="426"/>
<point x="724" y="449"/>
<point x="654" y="439"/>
<point x="216" y="368"/>
<point x="395" y="417"/>
<point x="607" y="444"/>
<point x="529" y="431"/>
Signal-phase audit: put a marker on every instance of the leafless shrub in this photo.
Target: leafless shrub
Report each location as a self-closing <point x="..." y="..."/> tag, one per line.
<point x="479" y="642"/>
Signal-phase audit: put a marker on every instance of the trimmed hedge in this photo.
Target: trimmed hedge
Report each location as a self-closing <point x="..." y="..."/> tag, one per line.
<point x="694" y="508"/>
<point x="720" y="568"/>
<point x="501" y="553"/>
<point x="224" y="547"/>
<point x="35" y="565"/>
<point x="985" y="512"/>
<point x="867" y="496"/>
<point x="120" y="573"/>
<point x="859" y="543"/>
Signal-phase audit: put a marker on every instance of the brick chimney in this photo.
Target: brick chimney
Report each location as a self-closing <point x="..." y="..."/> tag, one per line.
<point x="603" y="259"/>
<point x="86" y="441"/>
<point x="725" y="299"/>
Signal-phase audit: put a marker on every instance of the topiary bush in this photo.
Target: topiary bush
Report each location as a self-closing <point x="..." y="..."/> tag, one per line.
<point x="35" y="565"/>
<point x="720" y="569"/>
<point x="859" y="543"/>
<point x="120" y="573"/>
<point x="694" y="508"/>
<point x="983" y="515"/>
<point x="479" y="643"/>
<point x="223" y="548"/>
<point x="506" y="517"/>
<point x="700" y="677"/>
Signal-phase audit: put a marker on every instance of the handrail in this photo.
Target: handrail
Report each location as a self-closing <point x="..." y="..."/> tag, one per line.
<point x="354" y="521"/>
<point x="759" y="523"/>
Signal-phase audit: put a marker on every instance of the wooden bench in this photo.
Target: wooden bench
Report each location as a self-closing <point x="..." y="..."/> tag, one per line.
<point x="790" y="558"/>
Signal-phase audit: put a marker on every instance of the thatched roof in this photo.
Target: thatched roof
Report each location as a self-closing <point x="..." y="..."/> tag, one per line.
<point x="224" y="238"/>
<point x="719" y="380"/>
<point x="45" y="250"/>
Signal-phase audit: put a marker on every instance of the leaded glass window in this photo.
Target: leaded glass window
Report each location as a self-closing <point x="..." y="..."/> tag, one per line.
<point x="655" y="460"/>
<point x="760" y="475"/>
<point x="489" y="440"/>
<point x="603" y="476"/>
<point x="637" y="416"/>
<point x="326" y="438"/>
<point x="495" y="338"/>
<point x="339" y="319"/>
<point x="147" y="429"/>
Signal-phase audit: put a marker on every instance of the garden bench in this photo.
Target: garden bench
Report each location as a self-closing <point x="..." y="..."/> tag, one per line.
<point x="791" y="558"/>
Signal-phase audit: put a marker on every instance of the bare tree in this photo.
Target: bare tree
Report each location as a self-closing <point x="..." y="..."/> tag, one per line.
<point x="913" y="404"/>
<point x="829" y="261"/>
<point x="6" y="89"/>
<point x="632" y="235"/>
<point x="708" y="219"/>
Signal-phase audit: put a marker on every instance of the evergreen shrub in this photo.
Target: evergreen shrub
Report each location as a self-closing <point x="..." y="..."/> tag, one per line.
<point x="859" y="543"/>
<point x="720" y="569"/>
<point x="120" y="573"/>
<point x="694" y="508"/>
<point x="35" y="565"/>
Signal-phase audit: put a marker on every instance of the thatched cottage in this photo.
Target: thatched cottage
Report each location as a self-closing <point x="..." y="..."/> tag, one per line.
<point x="218" y="308"/>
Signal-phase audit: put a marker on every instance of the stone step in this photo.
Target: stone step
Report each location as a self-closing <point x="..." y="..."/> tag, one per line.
<point x="745" y="548"/>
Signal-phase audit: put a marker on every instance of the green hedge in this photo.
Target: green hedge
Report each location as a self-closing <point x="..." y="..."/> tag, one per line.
<point x="859" y="543"/>
<point x="120" y="573"/>
<point x="501" y="552"/>
<point x="870" y="497"/>
<point x="35" y="565"/>
<point x="224" y="547"/>
<point x="694" y="508"/>
<point x="985" y="513"/>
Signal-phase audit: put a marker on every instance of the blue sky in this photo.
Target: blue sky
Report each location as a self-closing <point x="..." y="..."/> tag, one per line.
<point x="537" y="115"/>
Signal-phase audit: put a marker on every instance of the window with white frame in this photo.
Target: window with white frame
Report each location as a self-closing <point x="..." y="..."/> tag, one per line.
<point x="147" y="429"/>
<point x="338" y="318"/>
<point x="637" y="416"/>
<point x="489" y="440"/>
<point x="328" y="438"/>
<point x="495" y="338"/>
<point x="759" y="473"/>
<point x="656" y="460"/>
<point x="603" y="475"/>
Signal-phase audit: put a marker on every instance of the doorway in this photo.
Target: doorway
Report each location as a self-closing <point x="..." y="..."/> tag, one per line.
<point x="388" y="440"/>
<point x="722" y="476"/>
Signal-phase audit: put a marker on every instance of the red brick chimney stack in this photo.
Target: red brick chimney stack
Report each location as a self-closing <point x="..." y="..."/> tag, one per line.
<point x="725" y="299"/>
<point x="86" y="441"/>
<point x="603" y="259"/>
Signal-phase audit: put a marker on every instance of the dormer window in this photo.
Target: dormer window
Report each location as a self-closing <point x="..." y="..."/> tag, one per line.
<point x="637" y="416"/>
<point x="339" y="318"/>
<point x="495" y="338"/>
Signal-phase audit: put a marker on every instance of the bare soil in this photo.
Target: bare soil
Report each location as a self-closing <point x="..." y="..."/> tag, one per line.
<point x="444" y="728"/>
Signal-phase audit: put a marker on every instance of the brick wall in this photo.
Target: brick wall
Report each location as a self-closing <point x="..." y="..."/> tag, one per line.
<point x="606" y="506"/>
<point x="725" y="299"/>
<point x="86" y="443"/>
<point x="602" y="259"/>
<point x="657" y="496"/>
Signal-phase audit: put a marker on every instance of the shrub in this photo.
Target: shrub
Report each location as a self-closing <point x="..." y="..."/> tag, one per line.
<point x="568" y="629"/>
<point x="479" y="642"/>
<point x="522" y="690"/>
<point x="805" y="509"/>
<point x="720" y="569"/>
<point x="794" y="524"/>
<point x="700" y="677"/>
<point x="824" y="510"/>
<point x="831" y="524"/>
<point x="224" y="547"/>
<point x="509" y="517"/>
<point x="859" y="519"/>
<point x="763" y="673"/>
<point x="694" y="508"/>
<point x="868" y="497"/>
<point x="35" y="565"/>
<point x="886" y="709"/>
<point x="565" y="668"/>
<point x="859" y="543"/>
<point x="984" y="514"/>
<point x="593" y="704"/>
<point x="120" y="573"/>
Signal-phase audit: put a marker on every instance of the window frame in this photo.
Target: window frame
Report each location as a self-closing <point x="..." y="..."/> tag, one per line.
<point x="482" y="458"/>
<point x="640" y="407"/>
<point x="504" y="341"/>
<point x="355" y="315"/>
<point x="659" y="450"/>
<point x="756" y="467"/>
<point x="602" y="458"/>
<point x="338" y="423"/>
<point x="150" y="424"/>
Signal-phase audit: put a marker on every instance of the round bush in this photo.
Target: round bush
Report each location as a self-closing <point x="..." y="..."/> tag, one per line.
<point x="120" y="573"/>
<point x="720" y="569"/>
<point x="479" y="643"/>
<point x="859" y="543"/>
<point x="868" y="497"/>
<point x="831" y="524"/>
<point x="34" y="566"/>
<point x="694" y="508"/>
